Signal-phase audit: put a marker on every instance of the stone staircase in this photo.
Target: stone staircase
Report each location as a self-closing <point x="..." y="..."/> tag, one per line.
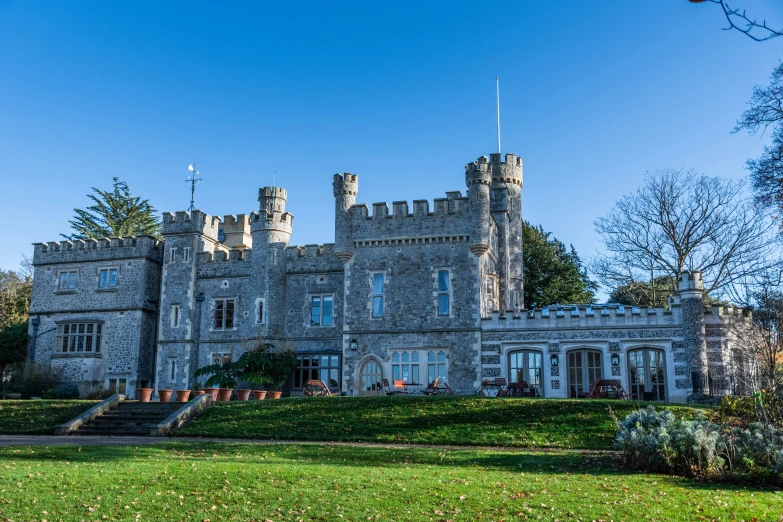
<point x="129" y="418"/>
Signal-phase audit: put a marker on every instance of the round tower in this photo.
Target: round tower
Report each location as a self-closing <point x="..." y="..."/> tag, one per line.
<point x="506" y="206"/>
<point x="694" y="337"/>
<point x="271" y="224"/>
<point x="346" y="186"/>
<point x="478" y="178"/>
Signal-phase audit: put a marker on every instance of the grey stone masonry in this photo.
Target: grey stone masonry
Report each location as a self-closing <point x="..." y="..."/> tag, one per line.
<point x="409" y="290"/>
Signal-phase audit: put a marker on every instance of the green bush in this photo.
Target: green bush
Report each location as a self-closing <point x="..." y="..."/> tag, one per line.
<point x="66" y="390"/>
<point x="653" y="440"/>
<point x="765" y="407"/>
<point x="36" y="382"/>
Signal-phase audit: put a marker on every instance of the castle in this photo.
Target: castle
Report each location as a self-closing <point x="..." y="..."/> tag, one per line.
<point x="413" y="294"/>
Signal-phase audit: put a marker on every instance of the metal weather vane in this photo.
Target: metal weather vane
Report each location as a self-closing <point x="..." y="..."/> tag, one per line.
<point x="193" y="179"/>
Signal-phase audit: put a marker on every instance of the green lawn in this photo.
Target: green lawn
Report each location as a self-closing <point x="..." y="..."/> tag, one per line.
<point x="232" y="481"/>
<point x="464" y="421"/>
<point x="38" y="417"/>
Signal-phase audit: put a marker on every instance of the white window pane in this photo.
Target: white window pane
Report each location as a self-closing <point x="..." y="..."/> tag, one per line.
<point x="315" y="311"/>
<point x="112" y="278"/>
<point x="104" y="278"/>
<point x="72" y="280"/>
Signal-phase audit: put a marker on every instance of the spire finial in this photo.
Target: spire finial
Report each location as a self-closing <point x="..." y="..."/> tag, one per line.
<point x="497" y="96"/>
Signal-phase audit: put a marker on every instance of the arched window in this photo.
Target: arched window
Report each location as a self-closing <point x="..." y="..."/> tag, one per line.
<point x="647" y="374"/>
<point x="584" y="368"/>
<point x="526" y="366"/>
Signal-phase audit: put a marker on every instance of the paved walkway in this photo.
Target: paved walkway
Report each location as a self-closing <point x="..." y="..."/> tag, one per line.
<point x="104" y="440"/>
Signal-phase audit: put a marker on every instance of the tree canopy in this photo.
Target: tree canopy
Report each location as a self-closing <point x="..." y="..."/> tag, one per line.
<point x="15" y="292"/>
<point x="552" y="273"/>
<point x="115" y="213"/>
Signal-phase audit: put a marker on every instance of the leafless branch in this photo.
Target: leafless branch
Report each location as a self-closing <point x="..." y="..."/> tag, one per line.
<point x="740" y="21"/>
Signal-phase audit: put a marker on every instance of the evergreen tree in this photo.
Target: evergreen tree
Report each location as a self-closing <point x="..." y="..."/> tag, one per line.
<point x="115" y="213"/>
<point x="553" y="274"/>
<point x="15" y="292"/>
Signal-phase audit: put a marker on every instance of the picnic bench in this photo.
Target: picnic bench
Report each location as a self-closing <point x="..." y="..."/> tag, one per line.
<point x="607" y="389"/>
<point x="316" y="388"/>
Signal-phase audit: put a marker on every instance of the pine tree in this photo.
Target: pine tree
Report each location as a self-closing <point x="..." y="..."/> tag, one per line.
<point x="115" y="213"/>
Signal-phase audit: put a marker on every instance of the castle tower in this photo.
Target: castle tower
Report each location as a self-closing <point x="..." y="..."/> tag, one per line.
<point x="346" y="186"/>
<point x="271" y="229"/>
<point x="693" y="331"/>
<point x="506" y="208"/>
<point x="478" y="178"/>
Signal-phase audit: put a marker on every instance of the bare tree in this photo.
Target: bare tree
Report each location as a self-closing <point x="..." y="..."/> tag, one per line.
<point x="679" y="220"/>
<point x="739" y="20"/>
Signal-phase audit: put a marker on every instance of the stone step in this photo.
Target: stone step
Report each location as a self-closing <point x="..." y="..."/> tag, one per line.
<point x="136" y="430"/>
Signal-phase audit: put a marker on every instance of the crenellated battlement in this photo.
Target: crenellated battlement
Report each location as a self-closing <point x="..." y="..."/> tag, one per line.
<point x="196" y="221"/>
<point x="346" y="183"/>
<point x="236" y="231"/>
<point x="78" y="250"/>
<point x="273" y="192"/>
<point x="492" y="170"/>
<point x="281" y="221"/>
<point x="238" y="255"/>
<point x="608" y="315"/>
<point x="420" y="207"/>
<point x="311" y="259"/>
<point x="310" y="250"/>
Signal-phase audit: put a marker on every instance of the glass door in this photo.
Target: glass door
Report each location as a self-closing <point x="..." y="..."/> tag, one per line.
<point x="584" y="368"/>
<point x="646" y="374"/>
<point x="526" y="366"/>
<point x="370" y="378"/>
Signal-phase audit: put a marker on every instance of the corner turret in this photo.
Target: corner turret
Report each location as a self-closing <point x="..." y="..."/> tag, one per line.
<point x="346" y="187"/>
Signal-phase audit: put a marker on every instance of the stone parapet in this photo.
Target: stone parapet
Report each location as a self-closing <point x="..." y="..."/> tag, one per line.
<point x="81" y="250"/>
<point x="582" y="316"/>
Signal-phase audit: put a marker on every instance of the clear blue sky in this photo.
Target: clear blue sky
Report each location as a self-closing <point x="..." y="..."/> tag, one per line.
<point x="593" y="95"/>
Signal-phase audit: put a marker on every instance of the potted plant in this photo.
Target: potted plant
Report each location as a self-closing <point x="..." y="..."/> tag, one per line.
<point x="222" y="375"/>
<point x="144" y="394"/>
<point x="264" y="366"/>
<point x="165" y="395"/>
<point x="197" y="389"/>
<point x="278" y="369"/>
<point x="183" y="395"/>
<point x="243" y="394"/>
<point x="259" y="395"/>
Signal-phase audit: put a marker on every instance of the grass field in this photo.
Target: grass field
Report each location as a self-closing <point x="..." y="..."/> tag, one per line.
<point x="38" y="417"/>
<point x="232" y="481"/>
<point x="464" y="421"/>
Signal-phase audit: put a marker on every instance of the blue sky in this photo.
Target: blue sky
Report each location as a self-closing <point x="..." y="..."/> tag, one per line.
<point x="593" y="95"/>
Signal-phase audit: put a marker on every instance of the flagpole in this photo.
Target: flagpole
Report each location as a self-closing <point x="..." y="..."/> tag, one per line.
<point x="497" y="95"/>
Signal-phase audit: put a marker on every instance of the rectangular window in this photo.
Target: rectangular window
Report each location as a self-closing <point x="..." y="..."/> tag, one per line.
<point x="260" y="311"/>
<point x="224" y="314"/>
<point x="436" y="366"/>
<point x="175" y="316"/>
<point x="321" y="310"/>
<point x="108" y="278"/>
<point x="79" y="337"/>
<point x="377" y="295"/>
<point x="221" y="358"/>
<point x="172" y="255"/>
<point x="118" y="385"/>
<point x="67" y="280"/>
<point x="444" y="292"/>
<point x="405" y="366"/>
<point x="322" y="367"/>
<point x="172" y="370"/>
<point x="186" y="254"/>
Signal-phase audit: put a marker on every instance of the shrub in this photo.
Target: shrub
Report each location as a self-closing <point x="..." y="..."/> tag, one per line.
<point x="653" y="440"/>
<point x="66" y="390"/>
<point x="99" y="395"/>
<point x="765" y="407"/>
<point x="36" y="381"/>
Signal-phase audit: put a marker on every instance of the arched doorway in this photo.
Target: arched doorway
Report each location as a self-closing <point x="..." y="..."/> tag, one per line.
<point x="370" y="378"/>
<point x="647" y="374"/>
<point x="584" y="368"/>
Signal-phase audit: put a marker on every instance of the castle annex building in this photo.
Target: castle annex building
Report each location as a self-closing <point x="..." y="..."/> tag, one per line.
<point x="406" y="292"/>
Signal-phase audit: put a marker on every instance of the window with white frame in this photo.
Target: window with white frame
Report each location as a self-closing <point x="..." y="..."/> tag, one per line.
<point x="107" y="278"/>
<point x="172" y="370"/>
<point x="436" y="366"/>
<point x="175" y="316"/>
<point x="66" y="280"/>
<point x="79" y="337"/>
<point x="224" y="314"/>
<point x="444" y="292"/>
<point x="172" y="255"/>
<point x="321" y="310"/>
<point x="378" y="280"/>
<point x="118" y="385"/>
<point x="405" y="366"/>
<point x="221" y="358"/>
<point x="186" y="254"/>
<point x="492" y="292"/>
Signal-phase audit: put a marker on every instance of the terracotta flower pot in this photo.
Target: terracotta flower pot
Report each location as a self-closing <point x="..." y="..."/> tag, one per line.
<point x="243" y="395"/>
<point x="259" y="395"/>
<point x="213" y="392"/>
<point x="183" y="395"/>
<point x="165" y="395"/>
<point x="200" y="392"/>
<point x="224" y="394"/>
<point x="143" y="394"/>
<point x="275" y="394"/>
